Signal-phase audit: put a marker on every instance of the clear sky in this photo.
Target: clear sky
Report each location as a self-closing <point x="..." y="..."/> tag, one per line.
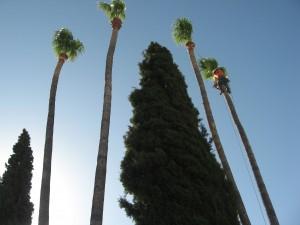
<point x="258" y="42"/>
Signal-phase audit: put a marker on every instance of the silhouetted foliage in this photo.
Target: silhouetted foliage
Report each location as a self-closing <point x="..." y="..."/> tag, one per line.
<point x="168" y="168"/>
<point x="15" y="205"/>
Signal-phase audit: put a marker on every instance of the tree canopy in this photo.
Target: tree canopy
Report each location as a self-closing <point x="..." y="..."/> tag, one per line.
<point x="15" y="185"/>
<point x="64" y="43"/>
<point x="208" y="65"/>
<point x="168" y="167"/>
<point x="182" y="31"/>
<point x="114" y="10"/>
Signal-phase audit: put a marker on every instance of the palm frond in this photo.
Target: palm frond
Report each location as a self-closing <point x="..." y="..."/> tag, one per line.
<point x="182" y="31"/>
<point x="119" y="8"/>
<point x="207" y="65"/>
<point x="63" y="42"/>
<point x="107" y="9"/>
<point x="115" y="9"/>
<point x="122" y="15"/>
<point x="76" y="48"/>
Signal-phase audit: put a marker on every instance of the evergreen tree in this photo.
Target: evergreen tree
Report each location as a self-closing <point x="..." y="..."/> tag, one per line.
<point x="15" y="205"/>
<point x="168" y="168"/>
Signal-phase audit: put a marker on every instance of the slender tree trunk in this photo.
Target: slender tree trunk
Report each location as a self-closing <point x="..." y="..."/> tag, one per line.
<point x="259" y="180"/>
<point x="45" y="186"/>
<point x="100" y="176"/>
<point x="211" y="122"/>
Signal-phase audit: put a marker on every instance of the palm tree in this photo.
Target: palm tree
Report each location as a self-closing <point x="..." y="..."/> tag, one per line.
<point x="208" y="65"/>
<point x="182" y="34"/>
<point x="65" y="47"/>
<point x="116" y="14"/>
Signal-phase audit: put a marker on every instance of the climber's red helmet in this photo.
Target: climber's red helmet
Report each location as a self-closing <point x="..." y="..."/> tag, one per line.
<point x="218" y="72"/>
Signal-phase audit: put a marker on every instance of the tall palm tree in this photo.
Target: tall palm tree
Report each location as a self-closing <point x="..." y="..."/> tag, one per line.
<point x="116" y="14"/>
<point x="208" y="65"/>
<point x="65" y="47"/>
<point x="182" y="34"/>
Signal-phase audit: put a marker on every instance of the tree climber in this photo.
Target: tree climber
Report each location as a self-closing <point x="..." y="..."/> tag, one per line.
<point x="221" y="80"/>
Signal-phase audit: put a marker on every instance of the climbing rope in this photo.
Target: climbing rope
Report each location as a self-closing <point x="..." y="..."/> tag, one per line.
<point x="246" y="164"/>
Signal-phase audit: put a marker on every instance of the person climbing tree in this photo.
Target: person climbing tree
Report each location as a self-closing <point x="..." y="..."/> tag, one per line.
<point x="221" y="80"/>
<point x="208" y="66"/>
<point x="182" y="34"/>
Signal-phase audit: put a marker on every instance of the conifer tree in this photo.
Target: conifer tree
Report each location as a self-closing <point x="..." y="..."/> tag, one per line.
<point x="15" y="205"/>
<point x="168" y="168"/>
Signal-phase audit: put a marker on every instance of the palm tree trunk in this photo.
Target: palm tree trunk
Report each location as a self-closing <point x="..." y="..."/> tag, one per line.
<point x="100" y="176"/>
<point x="211" y="122"/>
<point x="45" y="186"/>
<point x="260" y="183"/>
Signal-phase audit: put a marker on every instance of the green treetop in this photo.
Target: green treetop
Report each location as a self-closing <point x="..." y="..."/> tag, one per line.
<point x="15" y="205"/>
<point x="208" y="65"/>
<point x="168" y="167"/>
<point x="114" y="10"/>
<point x="65" y="45"/>
<point x="182" y="31"/>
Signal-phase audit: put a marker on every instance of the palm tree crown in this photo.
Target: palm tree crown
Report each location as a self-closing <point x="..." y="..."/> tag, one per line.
<point x="64" y="44"/>
<point x="114" y="10"/>
<point x="208" y="65"/>
<point x="182" y="31"/>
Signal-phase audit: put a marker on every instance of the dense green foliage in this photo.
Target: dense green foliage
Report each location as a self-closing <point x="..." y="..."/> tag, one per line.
<point x="182" y="31"/>
<point x="115" y="9"/>
<point x="64" y="43"/>
<point x="168" y="168"/>
<point x="15" y="205"/>
<point x="208" y="65"/>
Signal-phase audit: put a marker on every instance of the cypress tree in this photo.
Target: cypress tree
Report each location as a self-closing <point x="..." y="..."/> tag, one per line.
<point x="169" y="169"/>
<point x="15" y="205"/>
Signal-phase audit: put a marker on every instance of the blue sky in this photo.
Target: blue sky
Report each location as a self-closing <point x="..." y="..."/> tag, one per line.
<point x="257" y="41"/>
